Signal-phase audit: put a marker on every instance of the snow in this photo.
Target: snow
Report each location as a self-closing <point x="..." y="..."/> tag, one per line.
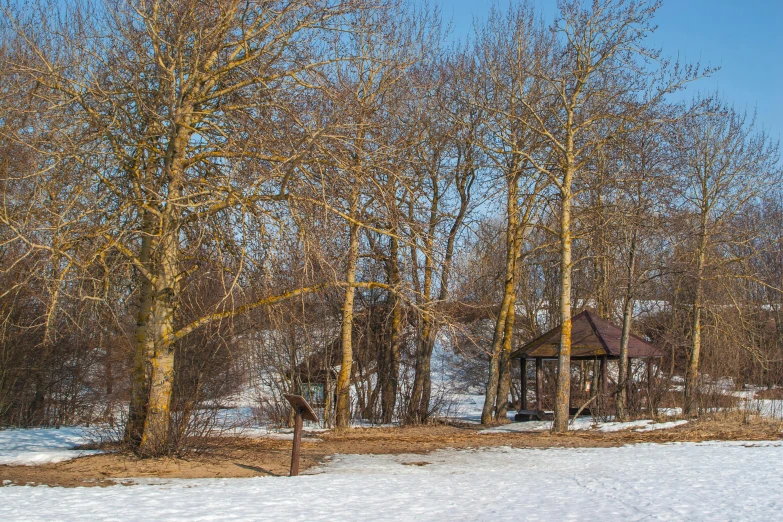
<point x="641" y="425"/>
<point x="688" y="481"/>
<point x="262" y="432"/>
<point x="584" y="423"/>
<point x="42" y="446"/>
<point x="662" y="425"/>
<point x="581" y="423"/>
<point x="771" y="408"/>
<point x="466" y="408"/>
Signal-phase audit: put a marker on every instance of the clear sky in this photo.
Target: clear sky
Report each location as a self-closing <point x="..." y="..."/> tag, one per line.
<point x="743" y="37"/>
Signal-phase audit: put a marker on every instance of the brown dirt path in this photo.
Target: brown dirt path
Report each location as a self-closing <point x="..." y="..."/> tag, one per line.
<point x="245" y="457"/>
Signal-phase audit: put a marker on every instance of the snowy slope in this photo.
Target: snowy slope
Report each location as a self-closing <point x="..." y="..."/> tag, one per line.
<point x="41" y="446"/>
<point x="710" y="481"/>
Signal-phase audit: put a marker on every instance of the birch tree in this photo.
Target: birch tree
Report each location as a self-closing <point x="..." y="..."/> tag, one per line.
<point x="506" y="95"/>
<point x="190" y="122"/>
<point x="599" y="83"/>
<point x="370" y="156"/>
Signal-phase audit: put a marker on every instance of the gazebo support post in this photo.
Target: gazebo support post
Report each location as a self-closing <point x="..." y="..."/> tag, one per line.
<point x="604" y="379"/>
<point x="539" y="384"/>
<point x="650" y="375"/>
<point x="523" y="389"/>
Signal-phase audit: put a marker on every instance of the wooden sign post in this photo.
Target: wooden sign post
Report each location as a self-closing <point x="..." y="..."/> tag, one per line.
<point x="303" y="411"/>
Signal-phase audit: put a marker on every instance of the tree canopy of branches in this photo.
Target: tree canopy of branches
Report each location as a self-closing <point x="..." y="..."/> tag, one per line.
<point x="185" y="181"/>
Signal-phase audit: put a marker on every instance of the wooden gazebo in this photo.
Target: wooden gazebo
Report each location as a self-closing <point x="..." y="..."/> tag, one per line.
<point x="591" y="338"/>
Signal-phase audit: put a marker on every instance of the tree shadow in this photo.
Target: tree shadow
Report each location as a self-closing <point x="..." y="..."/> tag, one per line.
<point x="259" y="470"/>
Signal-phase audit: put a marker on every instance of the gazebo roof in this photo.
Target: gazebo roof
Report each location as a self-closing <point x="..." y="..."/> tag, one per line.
<point x="591" y="337"/>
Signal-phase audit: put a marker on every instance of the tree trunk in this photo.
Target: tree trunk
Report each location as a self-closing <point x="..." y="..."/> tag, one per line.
<point x="622" y="396"/>
<point x="622" y="379"/>
<point x="692" y="376"/>
<point x="563" y="394"/>
<point x="489" y="411"/>
<point x="390" y="385"/>
<point x="154" y="440"/>
<point x="392" y="363"/>
<point x="144" y="349"/>
<point x="419" y="406"/>
<point x="157" y="422"/>
<point x="497" y="345"/>
<point x="343" y="407"/>
<point x="604" y="301"/>
<point x="504" y="384"/>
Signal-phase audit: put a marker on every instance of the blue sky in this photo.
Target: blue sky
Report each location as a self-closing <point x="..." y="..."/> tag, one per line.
<point x="743" y="37"/>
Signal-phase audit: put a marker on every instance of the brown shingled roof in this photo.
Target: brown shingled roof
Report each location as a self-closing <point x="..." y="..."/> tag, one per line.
<point x="591" y="337"/>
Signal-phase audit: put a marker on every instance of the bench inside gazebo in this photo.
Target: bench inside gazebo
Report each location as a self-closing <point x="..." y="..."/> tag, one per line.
<point x="592" y="338"/>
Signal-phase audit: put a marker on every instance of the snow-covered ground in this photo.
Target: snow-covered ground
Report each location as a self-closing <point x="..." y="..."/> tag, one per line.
<point x="309" y="433"/>
<point x="765" y="407"/>
<point x="708" y="481"/>
<point x="41" y="446"/>
<point x="466" y="408"/>
<point x="585" y="423"/>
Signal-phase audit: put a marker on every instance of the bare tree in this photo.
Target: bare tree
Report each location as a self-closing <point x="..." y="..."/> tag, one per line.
<point x="445" y="162"/>
<point x="645" y="180"/>
<point x="191" y="115"/>
<point x="724" y="165"/>
<point x="600" y="81"/>
<point x="506" y="94"/>
<point x="369" y="90"/>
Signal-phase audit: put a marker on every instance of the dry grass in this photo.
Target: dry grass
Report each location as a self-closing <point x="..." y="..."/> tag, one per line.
<point x="243" y="457"/>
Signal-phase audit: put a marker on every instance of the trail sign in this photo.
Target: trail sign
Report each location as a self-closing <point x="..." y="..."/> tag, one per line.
<point x="303" y="411"/>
